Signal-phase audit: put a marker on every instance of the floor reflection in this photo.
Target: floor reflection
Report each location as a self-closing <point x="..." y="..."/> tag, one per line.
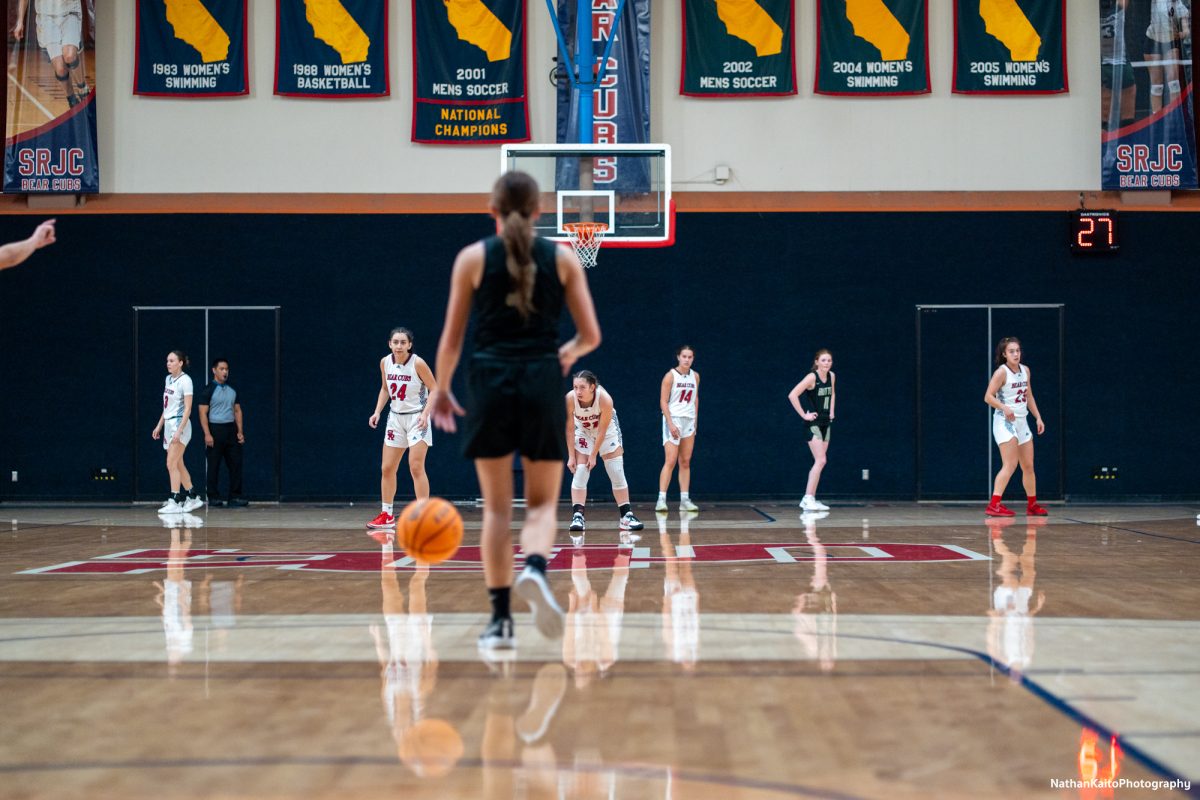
<point x="1010" y="639"/>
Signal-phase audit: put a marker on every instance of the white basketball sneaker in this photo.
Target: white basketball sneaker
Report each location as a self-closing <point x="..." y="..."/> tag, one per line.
<point x="192" y="503"/>
<point x="688" y="505"/>
<point x="810" y="503"/>
<point x="171" y="507"/>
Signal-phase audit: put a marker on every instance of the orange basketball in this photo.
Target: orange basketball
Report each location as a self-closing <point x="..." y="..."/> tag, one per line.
<point x="431" y="748"/>
<point x="430" y="530"/>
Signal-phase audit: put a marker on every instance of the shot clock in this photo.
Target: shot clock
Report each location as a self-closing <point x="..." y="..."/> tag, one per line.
<point x="1094" y="232"/>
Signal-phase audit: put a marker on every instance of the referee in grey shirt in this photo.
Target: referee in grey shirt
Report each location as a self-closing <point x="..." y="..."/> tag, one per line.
<point x="221" y="419"/>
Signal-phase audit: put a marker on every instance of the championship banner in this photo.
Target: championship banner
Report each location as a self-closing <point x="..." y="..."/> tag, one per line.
<point x="1147" y="133"/>
<point x="872" y="47"/>
<point x="331" y="48"/>
<point x="50" y="135"/>
<point x="1010" y="46"/>
<point x="738" y="48"/>
<point x="191" y="48"/>
<point x="621" y="104"/>
<point x="469" y="68"/>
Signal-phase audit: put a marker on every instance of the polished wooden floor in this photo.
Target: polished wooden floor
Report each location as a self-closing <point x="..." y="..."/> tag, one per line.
<point x="881" y="651"/>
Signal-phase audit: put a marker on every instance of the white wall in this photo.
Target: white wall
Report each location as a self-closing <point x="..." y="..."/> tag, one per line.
<point x="263" y="143"/>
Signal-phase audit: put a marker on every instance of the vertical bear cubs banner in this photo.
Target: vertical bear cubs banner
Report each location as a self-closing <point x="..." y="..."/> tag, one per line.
<point x="469" y="70"/>
<point x="738" y="48"/>
<point x="50" y="136"/>
<point x="191" y="48"/>
<point x="872" y="47"/>
<point x="1010" y="46"/>
<point x="1147" y="127"/>
<point x="331" y="48"/>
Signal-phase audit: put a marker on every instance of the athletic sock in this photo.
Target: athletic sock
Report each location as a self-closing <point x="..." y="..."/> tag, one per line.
<point x="537" y="562"/>
<point x="1031" y="500"/>
<point x="180" y="498"/>
<point x="662" y="495"/>
<point x="499" y="598"/>
<point x="995" y="500"/>
<point x="577" y="508"/>
<point x="683" y="496"/>
<point x="192" y="492"/>
<point x="624" y="509"/>
<point x="387" y="508"/>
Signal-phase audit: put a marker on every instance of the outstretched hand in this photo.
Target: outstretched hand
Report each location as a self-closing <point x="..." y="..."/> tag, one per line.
<point x="443" y="408"/>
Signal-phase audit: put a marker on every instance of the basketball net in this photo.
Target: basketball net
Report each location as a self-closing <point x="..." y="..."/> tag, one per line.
<point x="585" y="239"/>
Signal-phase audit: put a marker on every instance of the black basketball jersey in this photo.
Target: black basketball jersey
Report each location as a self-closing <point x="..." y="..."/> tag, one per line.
<point x="820" y="396"/>
<point x="499" y="328"/>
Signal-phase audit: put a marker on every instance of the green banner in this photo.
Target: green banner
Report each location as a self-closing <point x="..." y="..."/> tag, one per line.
<point x="738" y="48"/>
<point x="872" y="47"/>
<point x="1010" y="46"/>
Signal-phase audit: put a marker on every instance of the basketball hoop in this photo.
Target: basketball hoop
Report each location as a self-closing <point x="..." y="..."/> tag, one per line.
<point x="586" y="238"/>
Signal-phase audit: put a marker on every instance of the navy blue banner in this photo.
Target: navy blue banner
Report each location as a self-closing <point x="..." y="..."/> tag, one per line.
<point x="332" y="48"/>
<point x="191" y="48"/>
<point x="621" y="104"/>
<point x="50" y="135"/>
<point x="1147" y="125"/>
<point x="469" y="72"/>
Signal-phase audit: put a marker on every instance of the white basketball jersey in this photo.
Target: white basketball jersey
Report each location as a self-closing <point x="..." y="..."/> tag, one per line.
<point x="587" y="418"/>
<point x="57" y="8"/>
<point x="683" y="394"/>
<point x="173" y="393"/>
<point x="404" y="385"/>
<point x="1012" y="391"/>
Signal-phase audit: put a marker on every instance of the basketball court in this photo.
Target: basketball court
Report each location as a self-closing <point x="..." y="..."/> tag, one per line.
<point x="741" y="652"/>
<point x="748" y="651"/>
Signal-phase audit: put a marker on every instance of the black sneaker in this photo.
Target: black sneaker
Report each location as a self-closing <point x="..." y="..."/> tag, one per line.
<point x="216" y="503"/>
<point x="578" y="524"/>
<point x="238" y="502"/>
<point x="631" y="523"/>
<point x="498" y="635"/>
<point x="547" y="614"/>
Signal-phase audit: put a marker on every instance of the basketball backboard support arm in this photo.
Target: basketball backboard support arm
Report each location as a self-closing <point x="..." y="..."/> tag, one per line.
<point x="584" y="76"/>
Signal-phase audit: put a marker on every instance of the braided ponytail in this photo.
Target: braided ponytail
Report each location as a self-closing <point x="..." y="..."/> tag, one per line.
<point x="515" y="201"/>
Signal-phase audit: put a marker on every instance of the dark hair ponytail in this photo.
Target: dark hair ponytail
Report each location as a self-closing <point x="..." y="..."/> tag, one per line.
<point x="182" y="356"/>
<point x="585" y="375"/>
<point x="515" y="201"/>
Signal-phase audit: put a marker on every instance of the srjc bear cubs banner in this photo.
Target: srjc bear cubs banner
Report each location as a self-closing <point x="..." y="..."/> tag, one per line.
<point x="1010" y="46"/>
<point x="331" y="48"/>
<point x="872" y="47"/>
<point x="469" y="68"/>
<point x="50" y="138"/>
<point x="738" y="48"/>
<point x="191" y="48"/>
<point x="1146" y="122"/>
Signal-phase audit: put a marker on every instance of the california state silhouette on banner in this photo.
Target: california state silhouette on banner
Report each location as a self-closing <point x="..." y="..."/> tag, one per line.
<point x="1010" y="46"/>
<point x="738" y="48"/>
<point x="191" y="48"/>
<point x="50" y="131"/>
<point x="872" y="47"/>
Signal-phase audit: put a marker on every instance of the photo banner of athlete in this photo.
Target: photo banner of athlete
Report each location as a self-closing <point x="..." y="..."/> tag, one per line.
<point x="335" y="48"/>
<point x="469" y="70"/>
<point x="1010" y="46"/>
<point x="50" y="131"/>
<point x="738" y="49"/>
<point x="189" y="48"/>
<point x="872" y="47"/>
<point x="1147" y="127"/>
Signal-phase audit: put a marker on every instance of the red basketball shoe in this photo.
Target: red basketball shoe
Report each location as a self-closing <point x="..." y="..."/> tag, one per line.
<point x="1035" y="510"/>
<point x="998" y="510"/>
<point x="383" y="522"/>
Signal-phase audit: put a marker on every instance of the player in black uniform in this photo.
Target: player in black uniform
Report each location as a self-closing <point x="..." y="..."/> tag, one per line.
<point x="813" y="398"/>
<point x="515" y="284"/>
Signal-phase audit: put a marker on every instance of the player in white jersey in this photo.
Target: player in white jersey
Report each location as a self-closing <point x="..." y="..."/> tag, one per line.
<point x="407" y="383"/>
<point x="679" y="399"/>
<point x="60" y="34"/>
<point x="175" y="428"/>
<point x="594" y="432"/>
<point x="1010" y="394"/>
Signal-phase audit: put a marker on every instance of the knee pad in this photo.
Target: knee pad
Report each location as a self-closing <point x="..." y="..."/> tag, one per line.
<point x="62" y="78"/>
<point x="1156" y="89"/>
<point x="581" y="477"/>
<point x="616" y="471"/>
<point x="71" y="64"/>
<point x="1174" y="87"/>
